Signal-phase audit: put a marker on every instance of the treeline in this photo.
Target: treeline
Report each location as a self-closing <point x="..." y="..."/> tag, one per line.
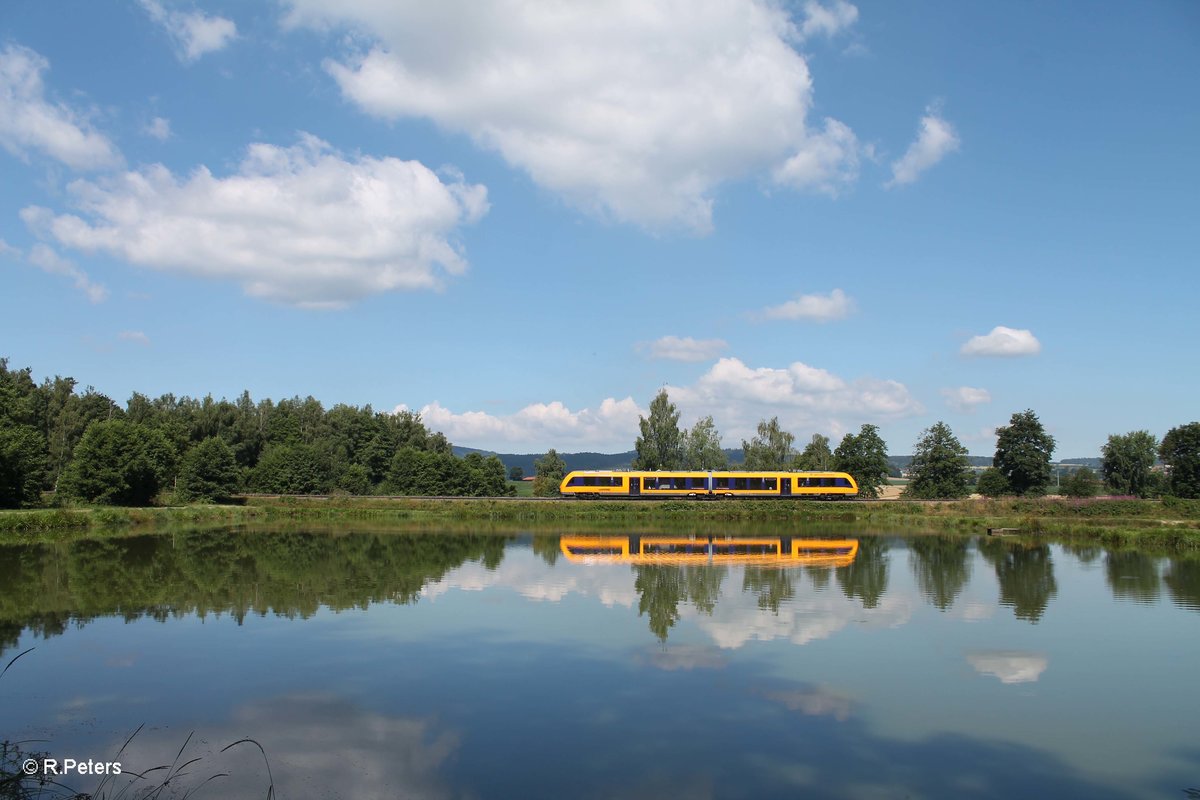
<point x="82" y="446"/>
<point x="1022" y="464"/>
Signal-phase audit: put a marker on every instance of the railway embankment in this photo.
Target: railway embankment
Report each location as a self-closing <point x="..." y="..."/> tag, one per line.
<point x="1169" y="522"/>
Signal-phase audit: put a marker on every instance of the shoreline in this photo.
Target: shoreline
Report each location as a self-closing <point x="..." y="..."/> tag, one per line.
<point x="1170" y="522"/>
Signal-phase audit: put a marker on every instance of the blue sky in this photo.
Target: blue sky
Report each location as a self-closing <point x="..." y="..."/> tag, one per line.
<point x="523" y="220"/>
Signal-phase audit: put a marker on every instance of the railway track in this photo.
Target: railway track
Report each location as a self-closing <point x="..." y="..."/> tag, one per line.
<point x="510" y="499"/>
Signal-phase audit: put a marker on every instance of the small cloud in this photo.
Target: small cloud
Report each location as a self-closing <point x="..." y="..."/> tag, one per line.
<point x="29" y="121"/>
<point x="134" y="336"/>
<point x="47" y="260"/>
<point x="966" y="398"/>
<point x="935" y="141"/>
<point x="1009" y="666"/>
<point x="7" y="249"/>
<point x="194" y="33"/>
<point x="159" y="128"/>
<point x="675" y="348"/>
<point x="827" y="162"/>
<point x="827" y="20"/>
<point x="1003" y="342"/>
<point x="813" y="307"/>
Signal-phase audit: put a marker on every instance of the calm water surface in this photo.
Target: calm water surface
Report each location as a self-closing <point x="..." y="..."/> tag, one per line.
<point x="424" y="665"/>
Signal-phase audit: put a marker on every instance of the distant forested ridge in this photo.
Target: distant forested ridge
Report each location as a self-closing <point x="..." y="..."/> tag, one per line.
<point x="83" y="446"/>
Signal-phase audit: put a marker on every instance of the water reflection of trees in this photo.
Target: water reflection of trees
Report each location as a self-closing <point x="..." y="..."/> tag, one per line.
<point x="1025" y="573"/>
<point x="661" y="588"/>
<point x="867" y="578"/>
<point x="941" y="567"/>
<point x="772" y="586"/>
<point x="1132" y="575"/>
<point x="1183" y="581"/>
<point x="45" y="588"/>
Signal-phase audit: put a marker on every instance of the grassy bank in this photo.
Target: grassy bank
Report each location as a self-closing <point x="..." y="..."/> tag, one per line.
<point x="1170" y="522"/>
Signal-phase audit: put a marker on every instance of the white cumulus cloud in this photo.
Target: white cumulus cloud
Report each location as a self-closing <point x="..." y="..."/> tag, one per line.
<point x="935" y="140"/>
<point x="137" y="337"/>
<point x="302" y="225"/>
<point x="676" y="348"/>
<point x="28" y="121"/>
<point x="47" y="260"/>
<point x="813" y="307"/>
<point x="635" y="110"/>
<point x="828" y="163"/>
<point x="194" y="33"/>
<point x="966" y="398"/>
<point x="539" y="426"/>
<point x="805" y="398"/>
<point x="1003" y="342"/>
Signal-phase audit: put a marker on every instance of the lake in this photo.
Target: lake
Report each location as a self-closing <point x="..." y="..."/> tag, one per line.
<point x="819" y="662"/>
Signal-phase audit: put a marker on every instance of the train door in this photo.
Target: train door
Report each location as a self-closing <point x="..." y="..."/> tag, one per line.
<point x="635" y="485"/>
<point x="785" y="486"/>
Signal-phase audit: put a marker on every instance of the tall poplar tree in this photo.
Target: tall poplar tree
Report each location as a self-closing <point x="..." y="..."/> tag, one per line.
<point x="661" y="444"/>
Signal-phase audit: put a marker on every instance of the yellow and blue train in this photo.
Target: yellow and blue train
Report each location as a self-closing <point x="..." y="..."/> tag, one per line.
<point x="707" y="484"/>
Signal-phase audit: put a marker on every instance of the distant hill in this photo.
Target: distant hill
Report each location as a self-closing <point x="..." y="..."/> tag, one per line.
<point x="623" y="460"/>
<point x="574" y="460"/>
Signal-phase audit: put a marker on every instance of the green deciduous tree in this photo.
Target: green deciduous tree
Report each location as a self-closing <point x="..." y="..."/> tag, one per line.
<point x="816" y="456"/>
<point x="1127" y="462"/>
<point x="1081" y="483"/>
<point x="22" y="464"/>
<point x="702" y="447"/>
<point x="660" y="445"/>
<point x="549" y="471"/>
<point x="771" y="448"/>
<point x="992" y="483"/>
<point x="118" y="463"/>
<point x="208" y="471"/>
<point x="939" y="465"/>
<point x="292" y="469"/>
<point x="1023" y="450"/>
<point x="1180" y="451"/>
<point x="865" y="457"/>
<point x="516" y="474"/>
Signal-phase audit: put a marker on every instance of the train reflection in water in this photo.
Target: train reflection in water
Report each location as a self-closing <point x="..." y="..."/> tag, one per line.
<point x="761" y="551"/>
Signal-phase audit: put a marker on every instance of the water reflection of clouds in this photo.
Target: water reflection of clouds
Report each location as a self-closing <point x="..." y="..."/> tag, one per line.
<point x="814" y="702"/>
<point x="1010" y="666"/>
<point x="684" y="657"/>
<point x="738" y="619"/>
<point x="534" y="579"/>
<point x="316" y="745"/>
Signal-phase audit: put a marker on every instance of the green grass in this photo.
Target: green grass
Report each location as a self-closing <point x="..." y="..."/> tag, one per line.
<point x="1172" y="522"/>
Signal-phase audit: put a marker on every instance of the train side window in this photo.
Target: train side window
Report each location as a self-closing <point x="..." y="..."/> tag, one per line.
<point x="576" y="481"/>
<point x="770" y="485"/>
<point x="739" y="483"/>
<point x="755" y="484"/>
<point x="843" y="482"/>
<point x="720" y="483"/>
